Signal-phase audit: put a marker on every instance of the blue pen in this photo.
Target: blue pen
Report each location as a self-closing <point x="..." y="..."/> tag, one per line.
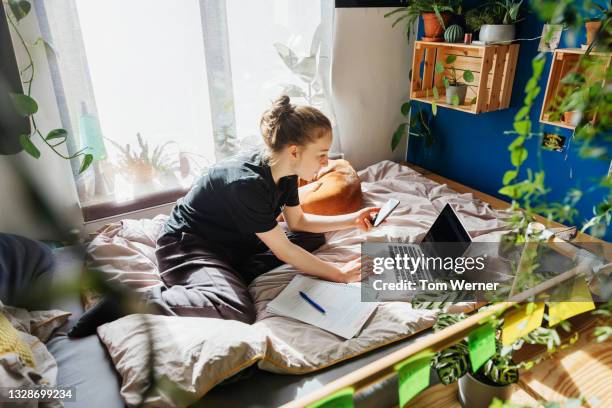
<point x="312" y="302"/>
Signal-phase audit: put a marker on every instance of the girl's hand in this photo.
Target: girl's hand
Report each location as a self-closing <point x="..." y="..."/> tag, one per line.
<point x="363" y="218"/>
<point x="350" y="272"/>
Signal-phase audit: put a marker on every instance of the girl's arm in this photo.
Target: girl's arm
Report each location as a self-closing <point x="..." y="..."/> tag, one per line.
<point x="299" y="221"/>
<point x="306" y="262"/>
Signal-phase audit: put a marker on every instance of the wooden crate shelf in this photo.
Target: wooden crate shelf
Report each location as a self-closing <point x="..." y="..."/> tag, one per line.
<point x="564" y="61"/>
<point x="493" y="67"/>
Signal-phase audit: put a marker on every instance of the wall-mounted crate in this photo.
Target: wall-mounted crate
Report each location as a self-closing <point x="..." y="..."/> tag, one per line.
<point x="565" y="61"/>
<point x="493" y="67"/>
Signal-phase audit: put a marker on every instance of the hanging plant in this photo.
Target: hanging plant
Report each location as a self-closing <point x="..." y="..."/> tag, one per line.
<point x="26" y="106"/>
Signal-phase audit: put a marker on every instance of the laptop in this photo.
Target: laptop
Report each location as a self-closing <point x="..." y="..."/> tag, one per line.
<point x="447" y="228"/>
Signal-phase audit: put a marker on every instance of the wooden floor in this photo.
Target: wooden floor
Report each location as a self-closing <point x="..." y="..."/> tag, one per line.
<point x="584" y="369"/>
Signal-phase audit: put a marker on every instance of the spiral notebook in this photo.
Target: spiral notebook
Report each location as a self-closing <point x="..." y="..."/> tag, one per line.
<point x="345" y="313"/>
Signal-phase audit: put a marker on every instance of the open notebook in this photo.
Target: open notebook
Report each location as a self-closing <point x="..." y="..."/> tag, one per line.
<point x="345" y="313"/>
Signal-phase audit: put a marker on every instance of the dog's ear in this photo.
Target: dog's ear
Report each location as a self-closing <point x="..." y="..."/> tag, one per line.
<point x="332" y="165"/>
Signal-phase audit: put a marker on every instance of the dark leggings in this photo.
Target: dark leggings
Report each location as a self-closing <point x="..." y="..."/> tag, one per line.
<point x="204" y="280"/>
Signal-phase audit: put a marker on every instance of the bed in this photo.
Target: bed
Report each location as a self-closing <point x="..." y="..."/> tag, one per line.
<point x="286" y="346"/>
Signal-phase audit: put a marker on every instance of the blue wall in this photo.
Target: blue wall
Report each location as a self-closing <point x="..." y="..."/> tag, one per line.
<point x="472" y="149"/>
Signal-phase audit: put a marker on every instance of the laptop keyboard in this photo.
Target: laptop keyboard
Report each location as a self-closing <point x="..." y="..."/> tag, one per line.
<point x="404" y="274"/>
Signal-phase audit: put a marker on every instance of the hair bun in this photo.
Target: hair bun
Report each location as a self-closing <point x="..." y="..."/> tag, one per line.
<point x="282" y="105"/>
<point x="284" y="123"/>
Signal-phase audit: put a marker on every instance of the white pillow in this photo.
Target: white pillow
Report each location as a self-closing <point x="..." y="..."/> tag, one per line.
<point x="195" y="353"/>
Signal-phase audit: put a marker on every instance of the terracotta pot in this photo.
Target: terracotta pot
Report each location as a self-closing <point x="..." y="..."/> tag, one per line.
<point x="591" y="30"/>
<point x="432" y="27"/>
<point x="141" y="173"/>
<point x="571" y="117"/>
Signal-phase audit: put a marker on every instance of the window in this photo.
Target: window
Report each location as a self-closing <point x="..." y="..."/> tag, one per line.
<point x="161" y="90"/>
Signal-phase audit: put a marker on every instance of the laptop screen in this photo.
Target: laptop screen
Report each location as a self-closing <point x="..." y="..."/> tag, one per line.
<point x="447" y="228"/>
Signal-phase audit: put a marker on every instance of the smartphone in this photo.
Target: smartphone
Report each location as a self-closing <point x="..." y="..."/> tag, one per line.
<point x="385" y="211"/>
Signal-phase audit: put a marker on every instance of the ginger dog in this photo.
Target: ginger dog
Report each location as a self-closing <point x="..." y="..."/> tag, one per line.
<point x="335" y="190"/>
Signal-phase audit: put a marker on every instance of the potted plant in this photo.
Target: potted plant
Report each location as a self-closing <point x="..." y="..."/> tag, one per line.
<point x="495" y="20"/>
<point x="455" y="90"/>
<point x="593" y="22"/>
<point x="577" y="87"/>
<point x="419" y="125"/>
<point x="141" y="167"/>
<point x="495" y="377"/>
<point x="436" y="15"/>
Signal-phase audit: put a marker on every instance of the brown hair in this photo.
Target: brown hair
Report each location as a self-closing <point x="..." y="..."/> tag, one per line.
<point x="285" y="124"/>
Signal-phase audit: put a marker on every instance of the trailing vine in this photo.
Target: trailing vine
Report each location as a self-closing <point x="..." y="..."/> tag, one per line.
<point x="26" y="106"/>
<point x="529" y="193"/>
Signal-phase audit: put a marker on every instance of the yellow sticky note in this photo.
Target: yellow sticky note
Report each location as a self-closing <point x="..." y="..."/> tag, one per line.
<point x="520" y="323"/>
<point x="559" y="311"/>
<point x="339" y="399"/>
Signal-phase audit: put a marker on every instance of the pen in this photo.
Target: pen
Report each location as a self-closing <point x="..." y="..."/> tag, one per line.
<point x="312" y="302"/>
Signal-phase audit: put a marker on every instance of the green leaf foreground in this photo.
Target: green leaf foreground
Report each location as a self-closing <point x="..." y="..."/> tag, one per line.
<point x="24" y="105"/>
<point x="56" y="134"/>
<point x="29" y="146"/>
<point x="20" y="8"/>
<point x="87" y="160"/>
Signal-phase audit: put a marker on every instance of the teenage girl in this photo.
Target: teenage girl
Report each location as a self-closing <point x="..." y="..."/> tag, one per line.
<point x="224" y="232"/>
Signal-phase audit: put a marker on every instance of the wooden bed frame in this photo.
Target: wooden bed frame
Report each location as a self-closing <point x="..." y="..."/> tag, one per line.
<point x="383" y="368"/>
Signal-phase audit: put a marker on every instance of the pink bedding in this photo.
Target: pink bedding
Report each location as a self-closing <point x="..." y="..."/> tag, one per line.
<point x="126" y="252"/>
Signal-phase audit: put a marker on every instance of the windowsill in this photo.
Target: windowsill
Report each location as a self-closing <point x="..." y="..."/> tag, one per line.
<point x="109" y="209"/>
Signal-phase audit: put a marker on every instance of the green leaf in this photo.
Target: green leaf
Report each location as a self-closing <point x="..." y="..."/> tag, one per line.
<point x="518" y="156"/>
<point x="523" y="112"/>
<point x="24" y="105"/>
<point x="509" y="191"/>
<point x="56" y="134"/>
<point x="28" y="146"/>
<point x="531" y="84"/>
<point x="399" y="19"/>
<point x="468" y="76"/>
<point x="455" y="100"/>
<point x="522" y="126"/>
<point x="509" y="176"/>
<point x="439" y="68"/>
<point x="445" y="82"/>
<point x="573" y="78"/>
<point x="20" y="8"/>
<point x="434" y="108"/>
<point x="86" y="162"/>
<point x="435" y="93"/>
<point x="438" y="15"/>
<point x="538" y="65"/>
<point x="397" y="136"/>
<point x="405" y="109"/>
<point x="451" y="58"/>
<point x="397" y="10"/>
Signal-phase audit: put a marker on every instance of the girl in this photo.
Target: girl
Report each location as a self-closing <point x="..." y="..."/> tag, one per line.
<point x="224" y="232"/>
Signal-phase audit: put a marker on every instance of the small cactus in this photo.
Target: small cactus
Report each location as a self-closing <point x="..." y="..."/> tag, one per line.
<point x="453" y="34"/>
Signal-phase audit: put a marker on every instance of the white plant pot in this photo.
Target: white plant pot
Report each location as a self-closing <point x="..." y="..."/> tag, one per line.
<point x="497" y="33"/>
<point x="460" y="90"/>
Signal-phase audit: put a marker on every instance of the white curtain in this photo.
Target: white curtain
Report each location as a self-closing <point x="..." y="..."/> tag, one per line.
<point x="161" y="90"/>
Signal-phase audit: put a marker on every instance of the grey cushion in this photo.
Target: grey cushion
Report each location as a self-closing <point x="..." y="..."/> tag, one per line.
<point x="82" y="363"/>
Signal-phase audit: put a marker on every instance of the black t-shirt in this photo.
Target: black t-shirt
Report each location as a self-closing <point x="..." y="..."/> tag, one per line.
<point x="235" y="200"/>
